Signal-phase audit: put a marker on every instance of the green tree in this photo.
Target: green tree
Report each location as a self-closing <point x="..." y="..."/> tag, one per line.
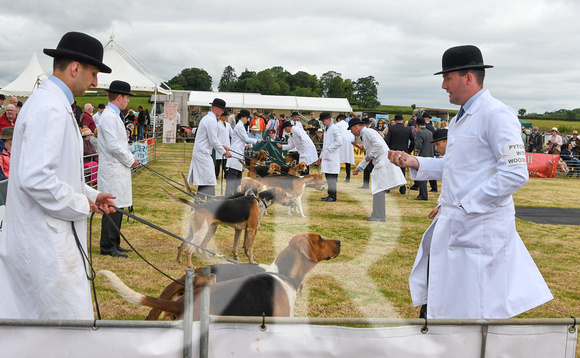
<point x="304" y="92"/>
<point x="242" y="84"/>
<point x="303" y="79"/>
<point x="332" y="85"/>
<point x="522" y="112"/>
<point x="349" y="90"/>
<point x="366" y="92"/>
<point x="193" y="79"/>
<point x="570" y="115"/>
<point x="228" y="80"/>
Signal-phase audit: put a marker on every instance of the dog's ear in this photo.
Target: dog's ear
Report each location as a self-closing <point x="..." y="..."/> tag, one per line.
<point x="249" y="192"/>
<point x="306" y="247"/>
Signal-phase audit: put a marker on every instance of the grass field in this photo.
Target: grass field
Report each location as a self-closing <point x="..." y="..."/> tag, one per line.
<point x="370" y="276"/>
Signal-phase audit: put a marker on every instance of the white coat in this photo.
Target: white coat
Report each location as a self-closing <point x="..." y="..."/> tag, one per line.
<point x="42" y="273"/>
<point x="330" y="153"/>
<point x="385" y="175"/>
<point x="224" y="133"/>
<point x="472" y="258"/>
<point x="115" y="159"/>
<point x="346" y="150"/>
<point x="301" y="142"/>
<point x="239" y="139"/>
<point x="201" y="170"/>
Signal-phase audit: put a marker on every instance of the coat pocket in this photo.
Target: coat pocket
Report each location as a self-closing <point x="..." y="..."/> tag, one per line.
<point x="64" y="244"/>
<point x="466" y="153"/>
<point x="466" y="230"/>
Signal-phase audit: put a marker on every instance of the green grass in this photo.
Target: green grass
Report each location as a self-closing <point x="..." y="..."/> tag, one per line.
<point x="101" y="97"/>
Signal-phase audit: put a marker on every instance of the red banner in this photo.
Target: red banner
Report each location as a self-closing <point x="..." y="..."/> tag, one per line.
<point x="542" y="165"/>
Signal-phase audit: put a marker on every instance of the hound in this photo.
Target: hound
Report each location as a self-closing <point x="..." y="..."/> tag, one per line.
<point x="272" y="293"/>
<point x="294" y="186"/>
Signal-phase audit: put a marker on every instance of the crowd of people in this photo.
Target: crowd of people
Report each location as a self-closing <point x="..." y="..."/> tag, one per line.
<point x="567" y="146"/>
<point x="471" y="262"/>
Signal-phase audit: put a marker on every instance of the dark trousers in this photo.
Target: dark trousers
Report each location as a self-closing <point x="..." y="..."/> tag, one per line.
<point x="347" y="168"/>
<point x="379" y="211"/>
<point x="422" y="184"/>
<point x="233" y="180"/>
<point x="220" y="165"/>
<point x="367" y="174"/>
<point x="433" y="184"/>
<point x="332" y="179"/>
<point x="403" y="188"/>
<point x="205" y="190"/>
<point x="110" y="237"/>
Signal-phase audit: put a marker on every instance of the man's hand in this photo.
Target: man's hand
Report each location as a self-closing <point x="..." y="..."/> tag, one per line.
<point x="135" y="163"/>
<point x="104" y="200"/>
<point x="403" y="159"/>
<point x="434" y="212"/>
<point x="226" y="148"/>
<point x="319" y="160"/>
<point x="228" y="154"/>
<point x="355" y="171"/>
<point x="259" y="140"/>
<point x="279" y="145"/>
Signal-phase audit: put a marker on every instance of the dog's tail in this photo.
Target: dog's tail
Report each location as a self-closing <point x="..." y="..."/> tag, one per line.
<point x="186" y="202"/>
<point x="244" y="164"/>
<point x="139" y="299"/>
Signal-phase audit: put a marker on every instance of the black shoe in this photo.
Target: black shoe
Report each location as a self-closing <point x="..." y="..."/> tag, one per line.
<point x="330" y="200"/>
<point x="433" y="190"/>
<point x="420" y="198"/>
<point x="347" y="181"/>
<point x="363" y="187"/>
<point x="325" y="198"/>
<point x="120" y="249"/>
<point x="376" y="219"/>
<point x="114" y="254"/>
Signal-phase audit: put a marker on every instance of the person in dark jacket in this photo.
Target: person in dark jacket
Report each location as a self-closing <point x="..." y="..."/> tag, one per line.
<point x="400" y="137"/>
<point x="423" y="148"/>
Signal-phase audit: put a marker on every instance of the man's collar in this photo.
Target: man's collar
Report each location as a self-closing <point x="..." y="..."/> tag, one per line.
<point x="114" y="108"/>
<point x="64" y="88"/>
<point x="472" y="99"/>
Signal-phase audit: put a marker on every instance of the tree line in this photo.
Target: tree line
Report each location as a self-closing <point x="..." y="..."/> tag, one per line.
<point x="277" y="81"/>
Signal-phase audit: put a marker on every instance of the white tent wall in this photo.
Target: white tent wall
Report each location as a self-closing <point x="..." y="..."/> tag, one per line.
<point x="28" y="81"/>
<point x="280" y="103"/>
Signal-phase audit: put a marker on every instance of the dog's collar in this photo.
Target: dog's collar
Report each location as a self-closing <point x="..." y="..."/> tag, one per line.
<point x="286" y="278"/>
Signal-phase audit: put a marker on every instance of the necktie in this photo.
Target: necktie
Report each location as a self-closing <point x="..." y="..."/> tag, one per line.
<point x="74" y="109"/>
<point x="460" y="114"/>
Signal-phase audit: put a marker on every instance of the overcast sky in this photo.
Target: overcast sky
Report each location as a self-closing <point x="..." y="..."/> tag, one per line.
<point x="532" y="44"/>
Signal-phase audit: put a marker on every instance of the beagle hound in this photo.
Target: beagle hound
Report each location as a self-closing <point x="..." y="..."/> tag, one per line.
<point x="294" y="186"/>
<point x="272" y="293"/>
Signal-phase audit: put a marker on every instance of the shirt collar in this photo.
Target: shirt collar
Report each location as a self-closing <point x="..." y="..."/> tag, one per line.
<point x="472" y="99"/>
<point x="63" y="87"/>
<point x="114" y="108"/>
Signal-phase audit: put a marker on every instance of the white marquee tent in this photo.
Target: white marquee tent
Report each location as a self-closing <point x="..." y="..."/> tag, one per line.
<point x="256" y="100"/>
<point x="28" y="80"/>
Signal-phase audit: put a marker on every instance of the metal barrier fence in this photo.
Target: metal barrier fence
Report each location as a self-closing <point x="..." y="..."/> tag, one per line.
<point x="568" y="328"/>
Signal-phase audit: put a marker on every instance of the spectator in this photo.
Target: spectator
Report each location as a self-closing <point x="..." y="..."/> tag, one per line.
<point x="255" y="132"/>
<point x="381" y="128"/>
<point x="78" y="112"/>
<point x="130" y="117"/>
<point x="575" y="143"/>
<point x="318" y="139"/>
<point x="142" y="121"/>
<point x="90" y="157"/>
<point x="423" y="148"/>
<point x="13" y="100"/>
<point x="18" y="107"/>
<point x="87" y="118"/>
<point x="97" y="116"/>
<point x="273" y="123"/>
<point x="536" y="141"/>
<point x="281" y="121"/>
<point x="259" y="123"/>
<point x="130" y="133"/>
<point x="443" y="124"/>
<point x="2" y="99"/>
<point x="428" y="124"/>
<point x="6" y="136"/>
<point x="8" y="119"/>
<point x="572" y="162"/>
<point x="313" y="124"/>
<point x="554" y="142"/>
<point x="400" y="137"/>
<point x="272" y="137"/>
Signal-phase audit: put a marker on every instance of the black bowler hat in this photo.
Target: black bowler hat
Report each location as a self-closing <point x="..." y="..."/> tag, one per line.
<point x="287" y="124"/>
<point x="294" y="114"/>
<point x="225" y="113"/>
<point x="102" y="106"/>
<point x="244" y="113"/>
<point x="340" y="116"/>
<point x="420" y="121"/>
<point x="324" y="115"/>
<point x="120" y="87"/>
<point x="399" y="117"/>
<point x="2" y="97"/>
<point x="440" y="134"/>
<point x="218" y="102"/>
<point x="366" y="120"/>
<point x="462" y="58"/>
<point x="80" y="47"/>
<point x="426" y="115"/>
<point x="354" y="121"/>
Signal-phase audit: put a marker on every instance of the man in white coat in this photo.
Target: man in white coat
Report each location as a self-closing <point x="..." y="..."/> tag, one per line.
<point x="329" y="160"/>
<point x="471" y="262"/>
<point x="115" y="163"/>
<point x="346" y="150"/>
<point x="224" y="133"/>
<point x="299" y="141"/>
<point x="206" y="139"/>
<point x="385" y="175"/>
<point x="43" y="265"/>
<point x="239" y="140"/>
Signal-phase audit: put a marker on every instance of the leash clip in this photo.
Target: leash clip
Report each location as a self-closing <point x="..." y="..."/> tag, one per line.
<point x="263" y="325"/>
<point x="572" y="328"/>
<point x="425" y="329"/>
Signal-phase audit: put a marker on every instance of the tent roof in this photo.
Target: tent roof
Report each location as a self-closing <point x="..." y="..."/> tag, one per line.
<point x="256" y="100"/>
<point x="140" y="81"/>
<point x="27" y="81"/>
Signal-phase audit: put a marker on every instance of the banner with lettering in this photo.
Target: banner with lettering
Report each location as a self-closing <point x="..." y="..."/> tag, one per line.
<point x="542" y="165"/>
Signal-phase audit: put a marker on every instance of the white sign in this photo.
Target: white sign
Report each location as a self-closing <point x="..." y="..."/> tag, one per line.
<point x="170" y="118"/>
